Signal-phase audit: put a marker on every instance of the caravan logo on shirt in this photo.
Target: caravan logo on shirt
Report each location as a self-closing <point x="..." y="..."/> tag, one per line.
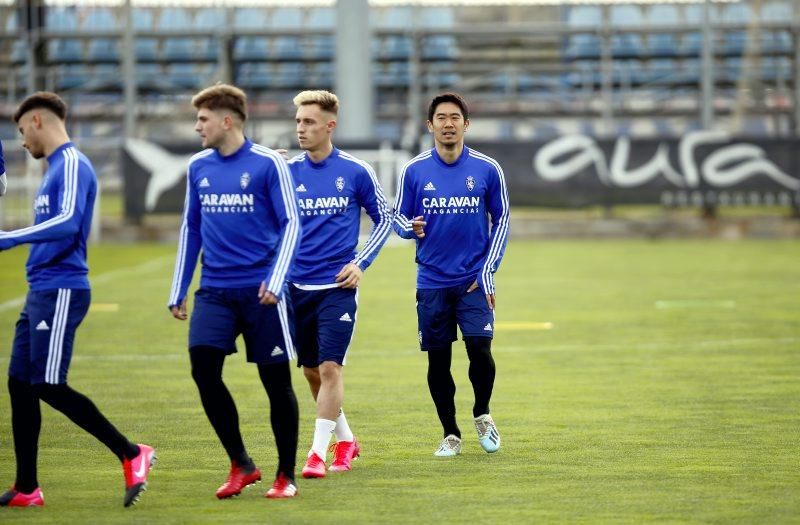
<point x="451" y="205"/>
<point x="322" y="206"/>
<point x="227" y="202"/>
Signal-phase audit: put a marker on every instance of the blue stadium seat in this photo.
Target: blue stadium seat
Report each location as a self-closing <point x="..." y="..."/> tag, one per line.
<point x="174" y="18"/>
<point x="663" y="44"/>
<point x="63" y="18"/>
<point x="149" y="77"/>
<point x="70" y="76"/>
<point x="397" y="17"/>
<point x="286" y="18"/>
<point x="438" y="17"/>
<point x="735" y="40"/>
<point x="396" y="48"/>
<point x="320" y="47"/>
<point x="321" y="18"/>
<point x="777" y="41"/>
<point x="106" y="77"/>
<point x="250" y="47"/>
<point x="188" y="76"/>
<point x="101" y="49"/>
<point x="440" y="47"/>
<point x="208" y="19"/>
<point x="290" y="75"/>
<point x="321" y="75"/>
<point x="287" y="48"/>
<point x="19" y="51"/>
<point x="393" y="75"/>
<point x="584" y="45"/>
<point x="626" y="44"/>
<point x="253" y="76"/>
<point x="146" y="48"/>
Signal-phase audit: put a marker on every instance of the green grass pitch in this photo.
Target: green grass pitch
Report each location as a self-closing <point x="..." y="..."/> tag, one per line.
<point x="667" y="389"/>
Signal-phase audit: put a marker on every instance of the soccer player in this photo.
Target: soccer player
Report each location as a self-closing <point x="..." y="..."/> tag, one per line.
<point x="445" y="198"/>
<point x="332" y="186"/>
<point x="240" y="210"/>
<point x="57" y="302"/>
<point x="3" y="182"/>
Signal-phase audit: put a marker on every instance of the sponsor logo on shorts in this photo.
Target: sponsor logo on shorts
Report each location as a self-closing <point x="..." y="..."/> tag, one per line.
<point x="346" y="318"/>
<point x="42" y="325"/>
<point x="276" y="352"/>
<point x="488" y="327"/>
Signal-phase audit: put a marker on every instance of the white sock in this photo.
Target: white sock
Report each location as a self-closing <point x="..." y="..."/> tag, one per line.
<point x="323" y="430"/>
<point x="343" y="432"/>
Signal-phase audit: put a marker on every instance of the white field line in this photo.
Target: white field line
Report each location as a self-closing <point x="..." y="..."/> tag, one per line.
<point x="105" y="278"/>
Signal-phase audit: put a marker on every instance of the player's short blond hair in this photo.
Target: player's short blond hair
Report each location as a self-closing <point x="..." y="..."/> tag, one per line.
<point x="222" y="96"/>
<point x="326" y="100"/>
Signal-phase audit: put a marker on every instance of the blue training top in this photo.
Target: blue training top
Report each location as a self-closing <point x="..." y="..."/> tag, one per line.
<point x="241" y="211"/>
<point x="63" y="208"/>
<point x="456" y="200"/>
<point x="330" y="195"/>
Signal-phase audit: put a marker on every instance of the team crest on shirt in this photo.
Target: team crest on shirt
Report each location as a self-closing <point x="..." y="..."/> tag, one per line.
<point x="470" y="183"/>
<point x="244" y="180"/>
<point x="340" y="183"/>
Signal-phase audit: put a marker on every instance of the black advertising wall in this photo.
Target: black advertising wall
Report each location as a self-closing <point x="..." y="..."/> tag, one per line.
<point x="569" y="171"/>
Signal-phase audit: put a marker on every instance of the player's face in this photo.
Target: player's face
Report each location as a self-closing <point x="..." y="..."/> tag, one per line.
<point x="314" y="127"/>
<point x="448" y="124"/>
<point x="211" y="126"/>
<point x="29" y="126"/>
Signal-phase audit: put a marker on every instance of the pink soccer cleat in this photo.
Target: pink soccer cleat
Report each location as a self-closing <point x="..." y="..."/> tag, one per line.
<point x="282" y="488"/>
<point x="136" y="471"/>
<point x="238" y="479"/>
<point x="344" y="452"/>
<point x="314" y="467"/>
<point x="14" y="498"/>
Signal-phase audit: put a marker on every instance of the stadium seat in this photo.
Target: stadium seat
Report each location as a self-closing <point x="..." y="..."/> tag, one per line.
<point x="150" y="77"/>
<point x="735" y="40"/>
<point x="70" y="76"/>
<point x="583" y="45"/>
<point x="101" y="49"/>
<point x="321" y="18"/>
<point x="437" y="17"/>
<point x="286" y="18"/>
<point x="253" y="76"/>
<point x="663" y="44"/>
<point x="439" y="47"/>
<point x="63" y="18"/>
<point x="287" y="48"/>
<point x="250" y="47"/>
<point x="396" y="17"/>
<point x="626" y="44"/>
<point x="172" y="19"/>
<point x="321" y="75"/>
<point x="396" y="47"/>
<point x="18" y="53"/>
<point x="146" y="48"/>
<point x="105" y="77"/>
<point x="290" y="75"/>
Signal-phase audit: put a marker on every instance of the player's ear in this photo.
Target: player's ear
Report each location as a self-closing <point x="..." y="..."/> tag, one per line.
<point x="430" y="126"/>
<point x="331" y="125"/>
<point x="466" y="124"/>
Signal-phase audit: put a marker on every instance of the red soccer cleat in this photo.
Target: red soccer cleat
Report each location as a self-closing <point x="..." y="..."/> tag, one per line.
<point x="14" y="498"/>
<point x="238" y="479"/>
<point x="136" y="471"/>
<point x="344" y="452"/>
<point x="282" y="488"/>
<point x="314" y="467"/>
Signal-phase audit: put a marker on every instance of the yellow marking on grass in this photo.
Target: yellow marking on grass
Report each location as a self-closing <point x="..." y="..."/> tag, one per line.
<point x="523" y="325"/>
<point x="104" y="307"/>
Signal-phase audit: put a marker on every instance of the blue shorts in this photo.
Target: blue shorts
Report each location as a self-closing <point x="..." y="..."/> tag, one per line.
<point x="441" y="310"/>
<point x="45" y="334"/>
<point x="222" y="314"/>
<point x="325" y="321"/>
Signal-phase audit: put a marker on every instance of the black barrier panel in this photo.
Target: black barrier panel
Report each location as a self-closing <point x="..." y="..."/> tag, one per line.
<point x="702" y="168"/>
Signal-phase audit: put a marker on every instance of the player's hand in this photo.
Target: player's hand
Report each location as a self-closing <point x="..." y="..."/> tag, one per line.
<point x="179" y="312"/>
<point x="265" y="296"/>
<point x="489" y="297"/>
<point x="349" y="276"/>
<point x="283" y="153"/>
<point x="418" y="226"/>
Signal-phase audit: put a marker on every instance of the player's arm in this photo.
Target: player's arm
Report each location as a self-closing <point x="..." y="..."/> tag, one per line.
<point x="499" y="210"/>
<point x="72" y="199"/>
<point x="3" y="179"/>
<point x="189" y="243"/>
<point x="281" y="193"/>
<point x="404" y="219"/>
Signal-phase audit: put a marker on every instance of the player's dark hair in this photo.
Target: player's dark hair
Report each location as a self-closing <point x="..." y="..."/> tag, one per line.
<point x="222" y="96"/>
<point x="42" y="100"/>
<point x="455" y="98"/>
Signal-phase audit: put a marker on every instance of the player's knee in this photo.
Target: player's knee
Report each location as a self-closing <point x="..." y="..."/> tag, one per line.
<point x="206" y="364"/>
<point x="48" y="392"/>
<point x="478" y="347"/>
<point x="18" y="386"/>
<point x="330" y="371"/>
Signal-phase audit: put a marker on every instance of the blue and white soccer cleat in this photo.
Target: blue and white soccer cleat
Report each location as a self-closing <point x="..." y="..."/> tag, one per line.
<point x="488" y="436"/>
<point x="450" y="446"/>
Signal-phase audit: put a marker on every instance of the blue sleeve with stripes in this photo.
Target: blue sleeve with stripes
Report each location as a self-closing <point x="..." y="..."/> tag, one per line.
<point x="189" y="244"/>
<point x="404" y="206"/>
<point x="73" y="191"/>
<point x="281" y="193"/>
<point x="374" y="202"/>
<point x="498" y="207"/>
<point x="3" y="184"/>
